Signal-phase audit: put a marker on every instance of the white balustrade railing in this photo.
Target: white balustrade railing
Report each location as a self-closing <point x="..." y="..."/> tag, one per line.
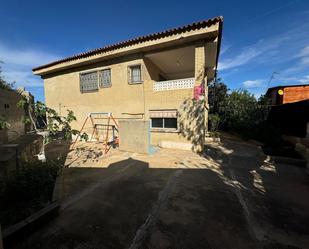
<point x="173" y="84"/>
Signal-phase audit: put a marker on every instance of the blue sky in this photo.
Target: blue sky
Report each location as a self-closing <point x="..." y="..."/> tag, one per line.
<point x="259" y="37"/>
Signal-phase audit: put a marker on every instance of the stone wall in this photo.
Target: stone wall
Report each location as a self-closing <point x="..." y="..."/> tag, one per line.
<point x="12" y="114"/>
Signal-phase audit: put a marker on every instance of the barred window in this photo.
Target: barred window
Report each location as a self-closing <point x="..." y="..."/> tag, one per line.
<point x="135" y="74"/>
<point x="105" y="78"/>
<point x="88" y="81"/>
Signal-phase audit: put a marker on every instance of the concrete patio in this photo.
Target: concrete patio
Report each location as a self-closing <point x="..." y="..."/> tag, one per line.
<point x="230" y="197"/>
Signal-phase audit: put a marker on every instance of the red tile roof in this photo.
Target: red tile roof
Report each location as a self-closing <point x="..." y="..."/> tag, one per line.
<point x="154" y="36"/>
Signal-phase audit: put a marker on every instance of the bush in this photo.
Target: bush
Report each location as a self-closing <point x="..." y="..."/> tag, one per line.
<point x="240" y="112"/>
<point x="28" y="191"/>
<point x="214" y="122"/>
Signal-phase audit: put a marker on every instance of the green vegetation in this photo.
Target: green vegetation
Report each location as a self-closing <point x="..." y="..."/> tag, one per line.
<point x="3" y="123"/>
<point x="240" y="112"/>
<point x="27" y="191"/>
<point x="3" y="84"/>
<point x="6" y="86"/>
<point x="52" y="121"/>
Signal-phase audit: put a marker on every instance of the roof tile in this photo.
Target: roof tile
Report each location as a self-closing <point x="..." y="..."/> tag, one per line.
<point x="140" y="39"/>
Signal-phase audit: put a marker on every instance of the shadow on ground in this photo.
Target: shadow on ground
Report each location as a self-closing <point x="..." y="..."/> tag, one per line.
<point x="274" y="194"/>
<point x="230" y="198"/>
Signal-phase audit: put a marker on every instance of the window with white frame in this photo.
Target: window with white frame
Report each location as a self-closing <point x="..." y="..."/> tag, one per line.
<point x="88" y="81"/>
<point x="105" y="78"/>
<point x="135" y="74"/>
<point x="164" y="120"/>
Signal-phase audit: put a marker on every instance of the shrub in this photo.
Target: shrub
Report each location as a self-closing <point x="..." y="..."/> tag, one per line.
<point x="25" y="192"/>
<point x="214" y="122"/>
<point x="240" y="112"/>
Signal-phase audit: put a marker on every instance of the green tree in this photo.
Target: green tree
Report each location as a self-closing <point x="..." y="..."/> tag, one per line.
<point x="55" y="124"/>
<point x="217" y="96"/>
<point x="3" y="83"/>
<point x="239" y="111"/>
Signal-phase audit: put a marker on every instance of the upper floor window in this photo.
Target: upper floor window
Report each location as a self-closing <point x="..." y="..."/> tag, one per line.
<point x="88" y="81"/>
<point x="91" y="81"/>
<point x="135" y="74"/>
<point x="105" y="78"/>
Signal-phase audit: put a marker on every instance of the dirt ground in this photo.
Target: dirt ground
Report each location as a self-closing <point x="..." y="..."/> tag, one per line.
<point x="230" y="197"/>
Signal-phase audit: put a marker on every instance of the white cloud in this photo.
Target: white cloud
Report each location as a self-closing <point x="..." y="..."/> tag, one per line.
<point x="273" y="51"/>
<point x="244" y="57"/>
<point x="286" y="80"/>
<point x="304" y="80"/>
<point x="304" y="52"/>
<point x="224" y="48"/>
<point x="253" y="83"/>
<point x="18" y="63"/>
<point x="22" y="78"/>
<point x="24" y="57"/>
<point x="260" y="50"/>
<point x="302" y="63"/>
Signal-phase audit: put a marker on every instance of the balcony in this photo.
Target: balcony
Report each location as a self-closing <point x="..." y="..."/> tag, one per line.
<point x="171" y="69"/>
<point x="168" y="85"/>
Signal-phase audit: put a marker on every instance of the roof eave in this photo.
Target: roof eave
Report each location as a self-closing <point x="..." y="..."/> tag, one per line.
<point x="118" y="50"/>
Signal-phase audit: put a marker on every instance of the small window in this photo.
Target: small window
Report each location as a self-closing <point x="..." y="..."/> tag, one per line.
<point x="105" y="78"/>
<point x="170" y="123"/>
<point x="88" y="82"/>
<point x="135" y="74"/>
<point x="164" y="123"/>
<point x="157" y="123"/>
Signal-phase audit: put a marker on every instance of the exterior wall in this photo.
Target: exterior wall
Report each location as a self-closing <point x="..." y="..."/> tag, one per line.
<point x="62" y="92"/>
<point x="291" y="94"/>
<point x="12" y="114"/>
<point x="172" y="99"/>
<point x="294" y="94"/>
<point x="137" y="141"/>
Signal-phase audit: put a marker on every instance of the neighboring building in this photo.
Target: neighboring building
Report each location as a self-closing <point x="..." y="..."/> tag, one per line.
<point x="13" y="114"/>
<point x="290" y="109"/>
<point x="288" y="94"/>
<point x="151" y="77"/>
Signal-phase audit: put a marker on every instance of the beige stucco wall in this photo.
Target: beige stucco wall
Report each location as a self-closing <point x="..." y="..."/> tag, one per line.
<point x="62" y="92"/>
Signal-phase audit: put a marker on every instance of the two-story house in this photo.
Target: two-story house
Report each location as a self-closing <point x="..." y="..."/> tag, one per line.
<point x="153" y="77"/>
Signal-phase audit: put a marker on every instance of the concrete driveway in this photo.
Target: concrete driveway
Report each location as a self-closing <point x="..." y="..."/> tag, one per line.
<point x="231" y="197"/>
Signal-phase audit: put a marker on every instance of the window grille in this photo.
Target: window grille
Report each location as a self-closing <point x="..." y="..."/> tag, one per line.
<point x="105" y="78"/>
<point x="88" y="81"/>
